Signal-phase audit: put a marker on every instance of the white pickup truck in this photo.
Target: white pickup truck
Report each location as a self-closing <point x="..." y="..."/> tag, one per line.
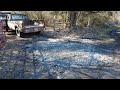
<point x="22" y="24"/>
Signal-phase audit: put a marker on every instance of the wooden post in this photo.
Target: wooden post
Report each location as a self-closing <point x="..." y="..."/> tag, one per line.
<point x="88" y="22"/>
<point x="54" y="19"/>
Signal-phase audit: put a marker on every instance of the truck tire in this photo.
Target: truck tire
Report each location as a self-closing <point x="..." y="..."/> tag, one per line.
<point x="18" y="33"/>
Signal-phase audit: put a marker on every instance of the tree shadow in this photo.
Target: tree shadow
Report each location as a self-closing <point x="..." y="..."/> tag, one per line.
<point x="106" y="49"/>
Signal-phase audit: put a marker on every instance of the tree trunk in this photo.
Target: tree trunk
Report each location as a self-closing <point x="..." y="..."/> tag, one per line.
<point x="72" y="19"/>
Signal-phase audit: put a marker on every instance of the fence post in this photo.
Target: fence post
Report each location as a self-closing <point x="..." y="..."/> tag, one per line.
<point x="54" y="20"/>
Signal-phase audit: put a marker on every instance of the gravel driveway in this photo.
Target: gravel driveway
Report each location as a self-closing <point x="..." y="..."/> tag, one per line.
<point x="52" y="55"/>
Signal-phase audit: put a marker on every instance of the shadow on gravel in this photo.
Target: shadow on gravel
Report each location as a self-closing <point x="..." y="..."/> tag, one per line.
<point x="10" y="33"/>
<point x="41" y="34"/>
<point x="107" y="49"/>
<point x="115" y="34"/>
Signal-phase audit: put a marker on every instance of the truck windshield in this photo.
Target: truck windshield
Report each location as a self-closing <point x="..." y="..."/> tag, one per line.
<point x="19" y="17"/>
<point x="2" y="17"/>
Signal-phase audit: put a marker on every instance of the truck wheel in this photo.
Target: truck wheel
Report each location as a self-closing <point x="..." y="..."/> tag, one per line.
<point x="18" y="33"/>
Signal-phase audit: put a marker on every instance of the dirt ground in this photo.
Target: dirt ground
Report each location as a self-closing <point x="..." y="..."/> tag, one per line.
<point x="59" y="55"/>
